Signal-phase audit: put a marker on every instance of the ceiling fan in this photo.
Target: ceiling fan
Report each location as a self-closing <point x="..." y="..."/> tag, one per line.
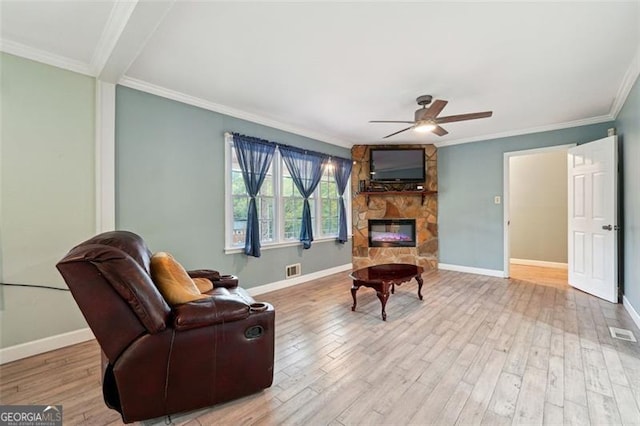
<point x="426" y="119"/>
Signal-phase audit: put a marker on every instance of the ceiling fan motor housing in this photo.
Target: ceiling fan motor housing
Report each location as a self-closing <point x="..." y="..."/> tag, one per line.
<point x="423" y="101"/>
<point x="420" y="113"/>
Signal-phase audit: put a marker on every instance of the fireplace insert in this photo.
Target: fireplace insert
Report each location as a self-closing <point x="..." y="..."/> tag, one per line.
<point x="392" y="233"/>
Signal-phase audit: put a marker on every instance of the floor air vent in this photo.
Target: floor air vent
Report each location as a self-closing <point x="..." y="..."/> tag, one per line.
<point x="292" y="270"/>
<point x="619" y="333"/>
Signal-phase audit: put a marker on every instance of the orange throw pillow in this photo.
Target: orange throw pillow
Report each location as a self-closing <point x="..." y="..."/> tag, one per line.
<point x="203" y="284"/>
<point x="172" y="280"/>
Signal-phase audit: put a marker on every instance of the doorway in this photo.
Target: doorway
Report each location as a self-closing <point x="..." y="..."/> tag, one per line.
<point x="535" y="214"/>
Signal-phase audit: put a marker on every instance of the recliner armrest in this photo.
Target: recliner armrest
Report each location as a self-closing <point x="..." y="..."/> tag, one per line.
<point x="209" y="274"/>
<point x="209" y="311"/>
<point x="227" y="281"/>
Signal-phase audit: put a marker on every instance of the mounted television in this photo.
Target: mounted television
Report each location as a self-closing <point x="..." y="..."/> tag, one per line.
<point x="397" y="165"/>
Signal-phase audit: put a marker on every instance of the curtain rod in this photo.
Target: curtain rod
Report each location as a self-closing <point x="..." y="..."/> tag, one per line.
<point x="230" y="134"/>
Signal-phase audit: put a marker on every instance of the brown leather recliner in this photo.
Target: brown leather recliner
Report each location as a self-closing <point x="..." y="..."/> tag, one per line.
<point x="158" y="360"/>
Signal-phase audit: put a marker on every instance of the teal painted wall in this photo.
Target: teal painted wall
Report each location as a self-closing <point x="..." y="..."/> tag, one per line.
<point x="170" y="187"/>
<point x="470" y="225"/>
<point x="47" y="193"/>
<point x="628" y="125"/>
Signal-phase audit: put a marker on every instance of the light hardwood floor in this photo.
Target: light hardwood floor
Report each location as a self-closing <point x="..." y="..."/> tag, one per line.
<point x="477" y="350"/>
<point x="540" y="275"/>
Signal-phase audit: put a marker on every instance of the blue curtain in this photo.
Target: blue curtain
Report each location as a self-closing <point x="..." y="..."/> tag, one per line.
<point x="306" y="171"/>
<point x="254" y="156"/>
<point x="341" y="173"/>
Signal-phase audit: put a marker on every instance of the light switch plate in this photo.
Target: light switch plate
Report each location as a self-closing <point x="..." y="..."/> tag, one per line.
<point x="497" y="199"/>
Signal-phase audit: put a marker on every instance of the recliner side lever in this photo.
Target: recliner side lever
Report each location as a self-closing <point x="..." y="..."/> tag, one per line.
<point x="254" y="332"/>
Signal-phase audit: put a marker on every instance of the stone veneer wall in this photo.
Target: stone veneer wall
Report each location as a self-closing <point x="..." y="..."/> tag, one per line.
<point x="425" y="253"/>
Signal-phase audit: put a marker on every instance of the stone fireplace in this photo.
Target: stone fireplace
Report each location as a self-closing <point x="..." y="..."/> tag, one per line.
<point x="393" y="208"/>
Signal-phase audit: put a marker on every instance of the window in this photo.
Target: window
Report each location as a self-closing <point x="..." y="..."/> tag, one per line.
<point x="328" y="203"/>
<point x="279" y="205"/>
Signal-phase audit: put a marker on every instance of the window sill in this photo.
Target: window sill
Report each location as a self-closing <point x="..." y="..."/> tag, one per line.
<point x="238" y="250"/>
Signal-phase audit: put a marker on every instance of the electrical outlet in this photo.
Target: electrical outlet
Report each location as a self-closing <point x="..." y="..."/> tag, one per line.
<point x="497" y="199"/>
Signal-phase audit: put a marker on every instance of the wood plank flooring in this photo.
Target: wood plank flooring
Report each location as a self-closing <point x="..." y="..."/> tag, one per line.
<point x="477" y="350"/>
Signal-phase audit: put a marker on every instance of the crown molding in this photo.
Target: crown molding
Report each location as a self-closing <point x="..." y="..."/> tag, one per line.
<point x="223" y="109"/>
<point x="24" y="51"/>
<point x="629" y="79"/>
<point x="118" y="18"/>
<point x="548" y="128"/>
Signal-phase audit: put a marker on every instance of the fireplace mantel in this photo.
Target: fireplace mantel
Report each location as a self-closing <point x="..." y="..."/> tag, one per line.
<point x="422" y="193"/>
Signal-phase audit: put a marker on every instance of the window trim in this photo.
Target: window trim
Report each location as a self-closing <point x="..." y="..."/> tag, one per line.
<point x="278" y="206"/>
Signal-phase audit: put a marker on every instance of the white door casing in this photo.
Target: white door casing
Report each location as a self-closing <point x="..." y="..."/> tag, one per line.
<point x="507" y="195"/>
<point x="593" y="238"/>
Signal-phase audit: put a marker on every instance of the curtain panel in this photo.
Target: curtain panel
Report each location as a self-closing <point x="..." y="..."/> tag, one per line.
<point x="306" y="170"/>
<point x="254" y="156"/>
<point x="341" y="172"/>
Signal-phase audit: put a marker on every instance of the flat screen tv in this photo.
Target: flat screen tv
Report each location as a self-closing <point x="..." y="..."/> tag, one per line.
<point x="397" y="165"/>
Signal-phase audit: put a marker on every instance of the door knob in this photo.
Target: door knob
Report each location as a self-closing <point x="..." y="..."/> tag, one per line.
<point x="609" y="227"/>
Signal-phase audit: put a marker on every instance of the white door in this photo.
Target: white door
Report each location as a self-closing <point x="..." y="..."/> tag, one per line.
<point x="593" y="237"/>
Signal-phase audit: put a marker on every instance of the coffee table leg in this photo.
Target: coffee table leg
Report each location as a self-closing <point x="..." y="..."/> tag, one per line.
<point x="383" y="295"/>
<point x="419" y="279"/>
<point x="354" y="288"/>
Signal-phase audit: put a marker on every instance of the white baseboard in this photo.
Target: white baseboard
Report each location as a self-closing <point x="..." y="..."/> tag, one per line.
<point x="254" y="291"/>
<point x="471" y="270"/>
<point x="24" y="350"/>
<point x="542" y="263"/>
<point x="632" y="312"/>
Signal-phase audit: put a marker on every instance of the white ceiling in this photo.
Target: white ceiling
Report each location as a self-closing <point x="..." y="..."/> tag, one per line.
<point x="324" y="69"/>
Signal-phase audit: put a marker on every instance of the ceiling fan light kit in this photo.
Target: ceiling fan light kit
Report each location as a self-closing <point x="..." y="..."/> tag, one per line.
<point x="424" y="126"/>
<point x="426" y="119"/>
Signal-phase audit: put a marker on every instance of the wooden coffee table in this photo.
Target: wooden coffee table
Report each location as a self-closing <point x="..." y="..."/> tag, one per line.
<point x="383" y="278"/>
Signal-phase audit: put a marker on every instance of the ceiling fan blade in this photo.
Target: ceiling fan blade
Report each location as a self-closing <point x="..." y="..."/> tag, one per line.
<point x="439" y="131"/>
<point x="399" y="131"/>
<point x="463" y="117"/>
<point x="388" y="121"/>
<point x="435" y="108"/>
